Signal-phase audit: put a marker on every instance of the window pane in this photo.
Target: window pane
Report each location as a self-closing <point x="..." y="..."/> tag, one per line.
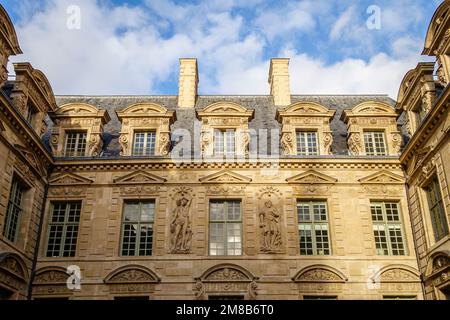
<point x="225" y="228"/>
<point x="219" y="143"/>
<point x="14" y="210"/>
<point x="307" y="143"/>
<point x="75" y="145"/>
<point x="132" y="211"/>
<point x="380" y="240"/>
<point x="63" y="229"/>
<point x="313" y="228"/>
<point x="437" y="212"/>
<point x="230" y="142"/>
<point x="306" y="239"/>
<point x="374" y="143"/>
<point x="144" y="143"/>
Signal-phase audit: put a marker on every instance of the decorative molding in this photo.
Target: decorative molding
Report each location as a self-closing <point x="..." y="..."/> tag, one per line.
<point x="396" y="273"/>
<point x="225" y="189"/>
<point x="131" y="274"/>
<point x="227" y="272"/>
<point x="51" y="276"/>
<point x="225" y="176"/>
<point x="139" y="177"/>
<point x="311" y="177"/>
<point x="320" y="273"/>
<point x="382" y="177"/>
<point x="13" y="264"/>
<point x="69" y="179"/>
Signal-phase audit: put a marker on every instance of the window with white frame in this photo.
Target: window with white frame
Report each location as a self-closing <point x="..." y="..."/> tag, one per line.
<point x="63" y="229"/>
<point x="224" y="142"/>
<point x="75" y="144"/>
<point x="387" y="228"/>
<point x="313" y="228"/>
<point x="137" y="228"/>
<point x="144" y="143"/>
<point x="307" y="143"/>
<point x="374" y="143"/>
<point x="14" y="210"/>
<point x="225" y="228"/>
<point x="436" y="208"/>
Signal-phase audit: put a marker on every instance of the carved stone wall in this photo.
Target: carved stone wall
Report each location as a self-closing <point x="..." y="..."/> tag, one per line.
<point x="9" y="45"/>
<point x="145" y="117"/>
<point x="372" y="116"/>
<point x="76" y="117"/>
<point x="306" y="116"/>
<point x="223" y="116"/>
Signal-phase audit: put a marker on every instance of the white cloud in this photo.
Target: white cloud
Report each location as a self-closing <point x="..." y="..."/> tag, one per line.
<point x="129" y="50"/>
<point x="344" y="19"/>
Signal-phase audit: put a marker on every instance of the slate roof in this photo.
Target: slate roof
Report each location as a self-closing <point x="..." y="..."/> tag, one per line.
<point x="264" y="117"/>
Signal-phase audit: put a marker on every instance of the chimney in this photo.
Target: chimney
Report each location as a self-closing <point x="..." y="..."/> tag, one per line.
<point x="279" y="81"/>
<point x="187" y="84"/>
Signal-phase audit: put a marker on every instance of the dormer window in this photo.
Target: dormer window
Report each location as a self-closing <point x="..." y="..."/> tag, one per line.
<point x="144" y="143"/>
<point x="374" y="143"/>
<point x="75" y="144"/>
<point x="420" y="114"/>
<point x="224" y="142"/>
<point x="307" y="143"/>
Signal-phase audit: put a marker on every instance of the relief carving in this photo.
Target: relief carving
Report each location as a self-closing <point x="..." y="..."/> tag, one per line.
<point x="95" y="145"/>
<point x="205" y="141"/>
<point x="164" y="144"/>
<point x="397" y="274"/>
<point x="227" y="274"/>
<point x="270" y="220"/>
<point x="396" y="142"/>
<point x="181" y="222"/>
<point x="327" y="142"/>
<point x="354" y="143"/>
<point x="287" y="143"/>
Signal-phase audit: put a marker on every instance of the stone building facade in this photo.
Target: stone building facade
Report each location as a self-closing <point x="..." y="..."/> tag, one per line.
<point x="280" y="196"/>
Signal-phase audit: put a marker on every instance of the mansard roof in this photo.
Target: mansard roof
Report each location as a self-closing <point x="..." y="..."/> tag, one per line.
<point x="263" y="106"/>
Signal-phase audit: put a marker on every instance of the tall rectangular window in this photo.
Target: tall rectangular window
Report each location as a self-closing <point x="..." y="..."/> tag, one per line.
<point x="137" y="228"/>
<point x="144" y="143"/>
<point x="436" y="207"/>
<point x="307" y="143"/>
<point x="14" y="210"/>
<point x="225" y="228"/>
<point x="374" y="143"/>
<point x="313" y="228"/>
<point x="387" y="228"/>
<point x="224" y="142"/>
<point x="420" y="114"/>
<point x="31" y="113"/>
<point x="75" y="145"/>
<point x="63" y="229"/>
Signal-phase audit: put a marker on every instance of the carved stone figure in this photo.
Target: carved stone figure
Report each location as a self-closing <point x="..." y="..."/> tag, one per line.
<point x="269" y="223"/>
<point x="287" y="143"/>
<point x="396" y="142"/>
<point x="95" y="145"/>
<point x="245" y="142"/>
<point x="441" y="75"/>
<point x="180" y="226"/>
<point x="124" y="143"/>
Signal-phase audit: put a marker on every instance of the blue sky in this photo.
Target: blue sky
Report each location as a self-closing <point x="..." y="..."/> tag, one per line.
<point x="133" y="47"/>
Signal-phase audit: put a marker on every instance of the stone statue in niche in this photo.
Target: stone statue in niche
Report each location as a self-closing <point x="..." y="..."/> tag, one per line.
<point x="269" y="222"/>
<point x="180" y="225"/>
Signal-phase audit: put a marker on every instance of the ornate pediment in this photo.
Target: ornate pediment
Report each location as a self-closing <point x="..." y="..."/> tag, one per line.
<point x="30" y="158"/>
<point x="319" y="273"/>
<point x="397" y="273"/>
<point x="69" y="179"/>
<point x="132" y="274"/>
<point x="51" y="275"/>
<point x="227" y="273"/>
<point x="311" y="177"/>
<point x="139" y="177"/>
<point x="225" y="108"/>
<point x="225" y="176"/>
<point x="382" y="177"/>
<point x="13" y="264"/>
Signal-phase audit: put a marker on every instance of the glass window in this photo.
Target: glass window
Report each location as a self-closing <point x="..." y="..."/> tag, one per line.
<point x="63" y="229"/>
<point x="14" y="210"/>
<point x="313" y="228"/>
<point x="31" y="113"/>
<point x="436" y="207"/>
<point x="387" y="228"/>
<point x="75" y="145"/>
<point x="144" y="143"/>
<point x="224" y="142"/>
<point x="225" y="228"/>
<point x="375" y="143"/>
<point x="137" y="228"/>
<point x="307" y="143"/>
